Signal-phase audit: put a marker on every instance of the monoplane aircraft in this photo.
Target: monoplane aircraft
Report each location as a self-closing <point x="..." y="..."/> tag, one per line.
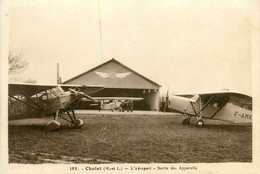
<point x="226" y="105"/>
<point x="34" y="100"/>
<point x="113" y="103"/>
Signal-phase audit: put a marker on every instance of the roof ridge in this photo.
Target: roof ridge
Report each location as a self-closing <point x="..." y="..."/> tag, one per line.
<point x="111" y="60"/>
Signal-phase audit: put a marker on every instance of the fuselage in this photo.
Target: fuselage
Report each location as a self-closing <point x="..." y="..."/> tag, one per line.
<point x="229" y="107"/>
<point x="110" y="105"/>
<point x="47" y="102"/>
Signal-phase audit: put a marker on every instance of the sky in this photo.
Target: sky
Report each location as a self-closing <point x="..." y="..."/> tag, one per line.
<point x="184" y="45"/>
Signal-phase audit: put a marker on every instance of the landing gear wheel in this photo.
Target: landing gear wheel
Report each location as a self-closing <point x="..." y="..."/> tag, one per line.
<point x="79" y="123"/>
<point x="200" y="123"/>
<point x="53" y="125"/>
<point x="186" y="121"/>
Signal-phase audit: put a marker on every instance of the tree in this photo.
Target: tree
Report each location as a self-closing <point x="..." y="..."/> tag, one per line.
<point x="16" y="63"/>
<point x="30" y="81"/>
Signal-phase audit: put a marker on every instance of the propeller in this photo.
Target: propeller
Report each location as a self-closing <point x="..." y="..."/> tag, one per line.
<point x="72" y="90"/>
<point x="87" y="96"/>
<point x="82" y="94"/>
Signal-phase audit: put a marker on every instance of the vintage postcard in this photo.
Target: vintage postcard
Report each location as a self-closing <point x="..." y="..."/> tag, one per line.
<point x="127" y="86"/>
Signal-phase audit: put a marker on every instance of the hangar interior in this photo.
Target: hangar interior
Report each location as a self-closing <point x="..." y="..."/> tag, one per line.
<point x="120" y="81"/>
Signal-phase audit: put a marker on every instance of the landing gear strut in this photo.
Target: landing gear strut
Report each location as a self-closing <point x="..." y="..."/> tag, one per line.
<point x="54" y="124"/>
<point x="74" y="122"/>
<point x="199" y="123"/>
<point x="186" y="121"/>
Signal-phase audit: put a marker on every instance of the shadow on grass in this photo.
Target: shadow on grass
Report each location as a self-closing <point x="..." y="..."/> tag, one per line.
<point x="18" y="128"/>
<point x="37" y="128"/>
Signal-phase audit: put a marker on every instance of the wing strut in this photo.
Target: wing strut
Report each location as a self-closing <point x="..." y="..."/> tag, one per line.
<point x="27" y="103"/>
<point x="226" y="101"/>
<point x="197" y="114"/>
<point x="206" y="104"/>
<point x="29" y="98"/>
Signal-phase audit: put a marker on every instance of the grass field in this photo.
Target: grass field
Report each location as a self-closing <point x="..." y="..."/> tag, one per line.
<point x="131" y="139"/>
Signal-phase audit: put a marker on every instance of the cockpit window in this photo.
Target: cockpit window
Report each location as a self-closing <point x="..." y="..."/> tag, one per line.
<point x="245" y="103"/>
<point x="216" y="101"/>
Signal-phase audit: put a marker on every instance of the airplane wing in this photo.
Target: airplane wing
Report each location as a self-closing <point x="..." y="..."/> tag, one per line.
<point x="87" y="89"/>
<point x="237" y="97"/>
<point x="118" y="98"/>
<point x="16" y="89"/>
<point x="221" y="93"/>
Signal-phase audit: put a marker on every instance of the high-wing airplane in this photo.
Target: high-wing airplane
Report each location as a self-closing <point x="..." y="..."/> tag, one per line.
<point x="227" y="106"/>
<point x="34" y="100"/>
<point x="113" y="103"/>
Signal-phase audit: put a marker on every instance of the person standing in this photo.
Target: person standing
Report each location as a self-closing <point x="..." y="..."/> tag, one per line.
<point x="131" y="105"/>
<point x="123" y="106"/>
<point x="127" y="105"/>
<point x="162" y="104"/>
<point x="99" y="106"/>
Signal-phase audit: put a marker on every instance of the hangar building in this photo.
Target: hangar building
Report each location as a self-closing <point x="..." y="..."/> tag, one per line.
<point x="121" y="81"/>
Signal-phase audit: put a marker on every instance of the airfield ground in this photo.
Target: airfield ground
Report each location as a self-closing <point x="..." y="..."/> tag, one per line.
<point x="138" y="137"/>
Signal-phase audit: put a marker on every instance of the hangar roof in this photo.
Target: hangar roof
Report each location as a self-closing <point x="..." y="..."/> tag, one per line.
<point x="113" y="74"/>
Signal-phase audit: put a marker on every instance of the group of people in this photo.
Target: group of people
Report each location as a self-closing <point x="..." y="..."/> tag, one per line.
<point x="127" y="105"/>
